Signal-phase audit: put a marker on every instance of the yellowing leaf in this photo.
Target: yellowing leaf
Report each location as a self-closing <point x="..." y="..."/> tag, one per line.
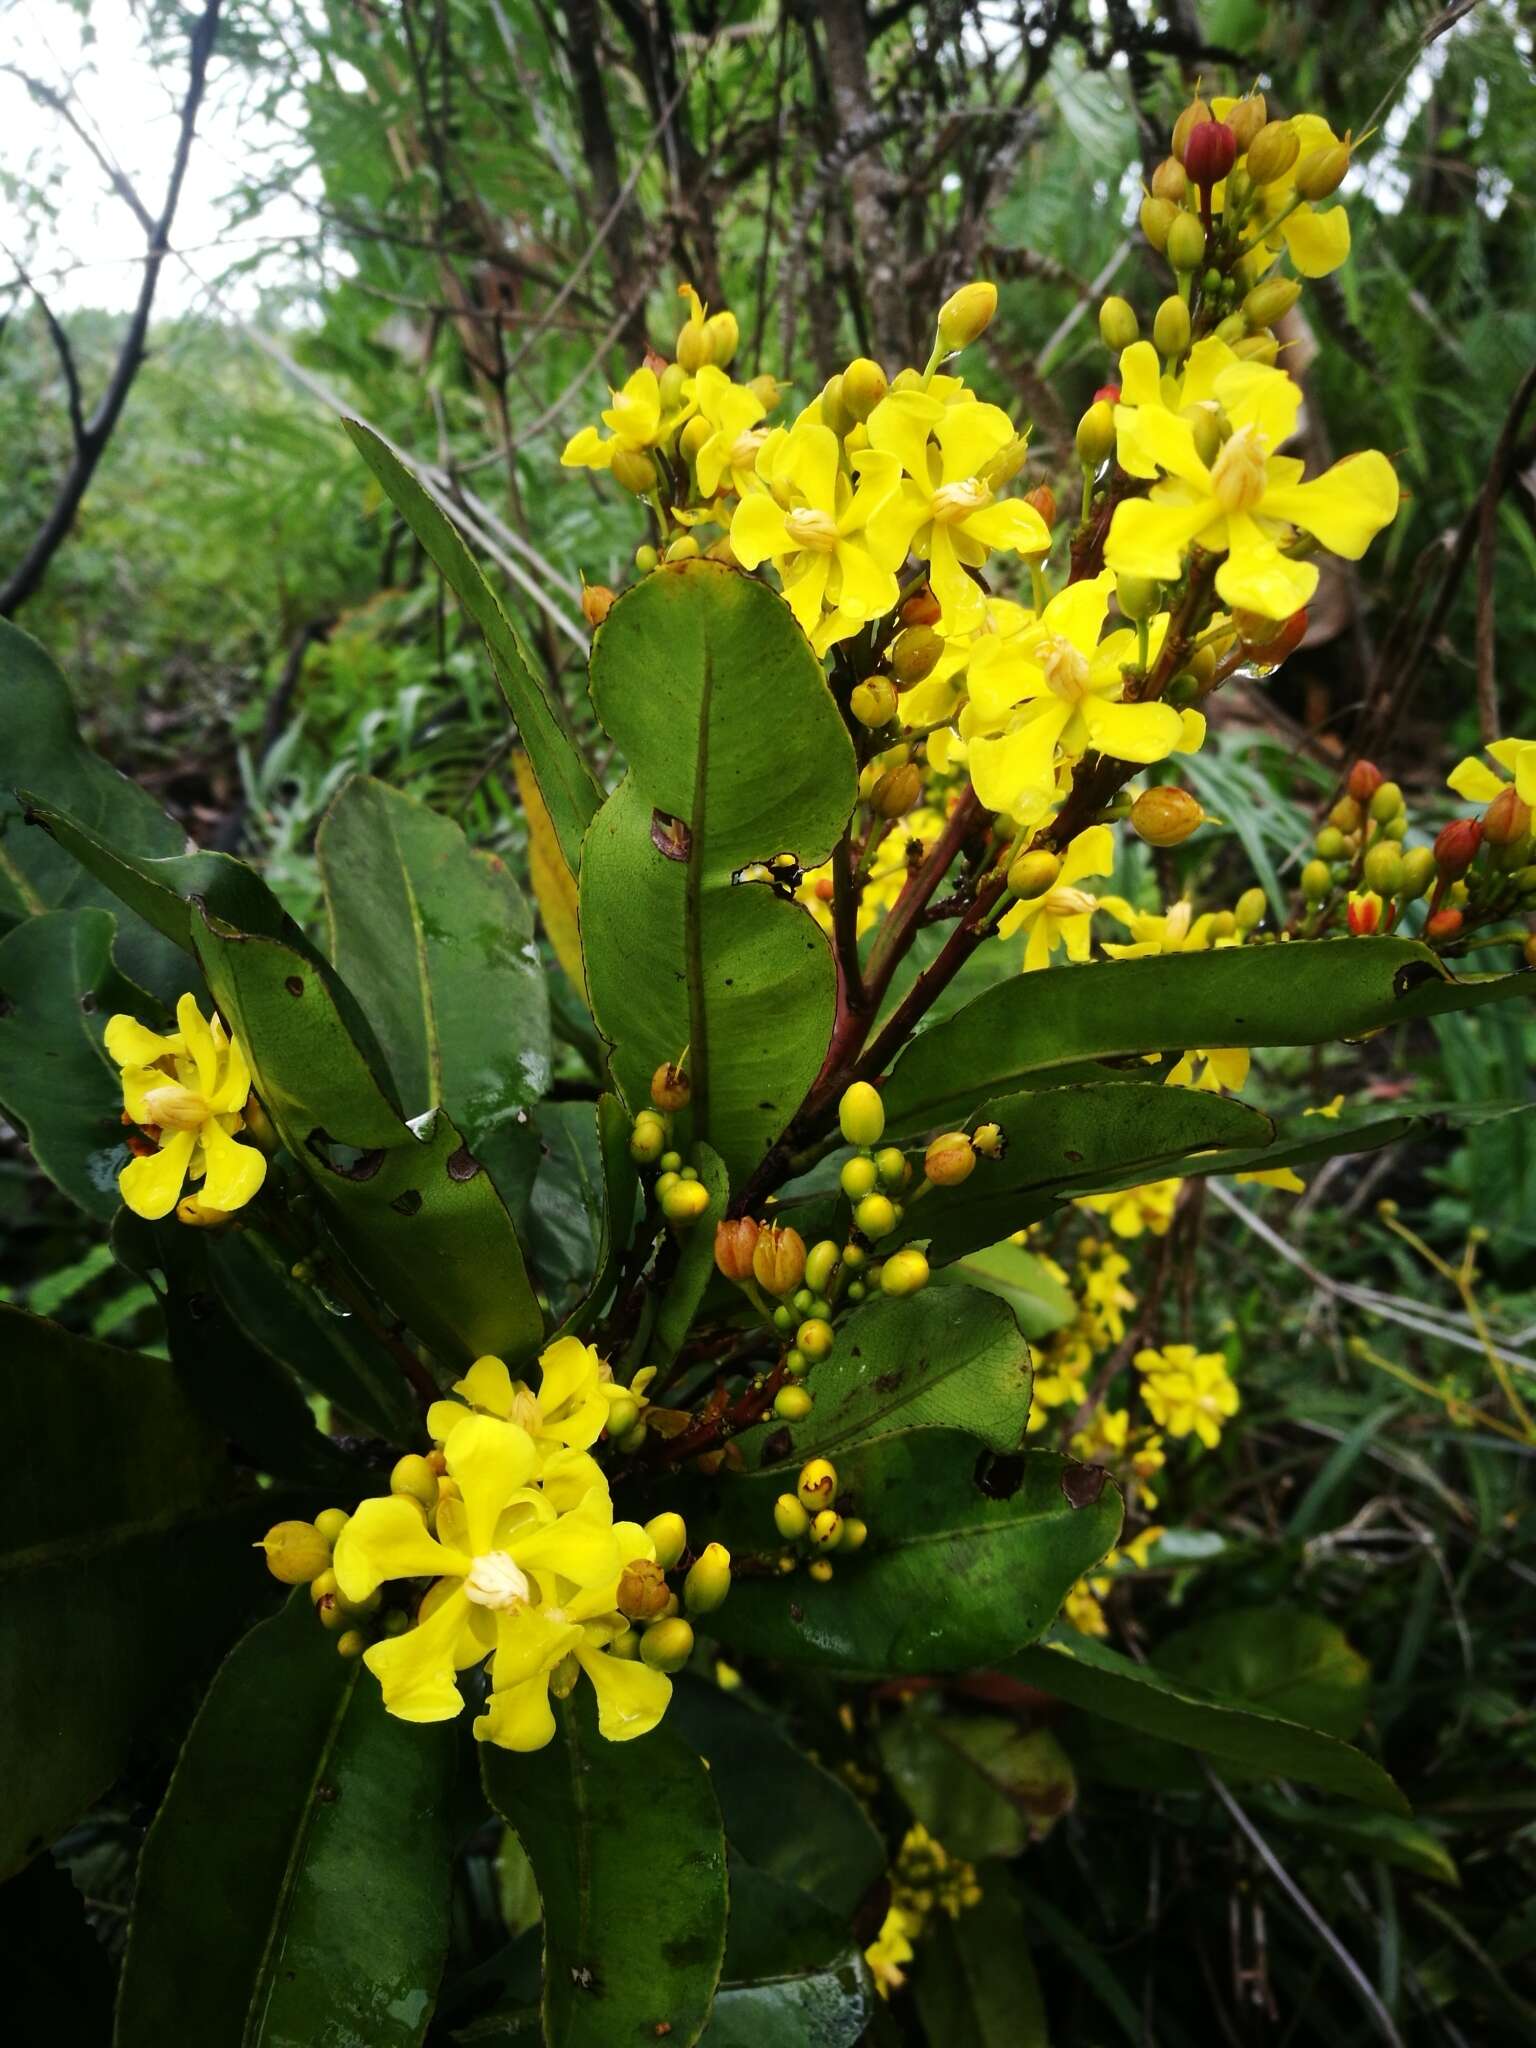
<point x="554" y="886"/>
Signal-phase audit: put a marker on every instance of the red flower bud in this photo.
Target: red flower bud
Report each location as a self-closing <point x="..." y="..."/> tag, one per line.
<point x="1456" y="847"/>
<point x="1269" y="641"/>
<point x="1365" y="778"/>
<point x="1445" y="924"/>
<point x="922" y="609"/>
<point x="1110" y="393"/>
<point x="1364" y="914"/>
<point x="1209" y="152"/>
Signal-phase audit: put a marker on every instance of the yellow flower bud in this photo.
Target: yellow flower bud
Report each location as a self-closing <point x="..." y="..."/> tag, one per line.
<point x="695" y="346"/>
<point x="1316" y="880"/>
<point x="330" y="1522"/>
<point x="1322" y="171"/>
<point x="893" y="1168"/>
<point x="1246" y="119"/>
<point x="897" y="790"/>
<point x="670" y="1087"/>
<point x="685" y="1202"/>
<point x="814" y="1338"/>
<point x="873" y="702"/>
<point x="667" y="1645"/>
<point x="1252" y="908"/>
<point x="820" y="1569"/>
<point x="1031" y="874"/>
<point x="965" y="314"/>
<point x="861" y="1114"/>
<point x="792" y="1404"/>
<point x="296" y="1552"/>
<point x="864" y="386"/>
<point x="724" y="334"/>
<point x="352" y="1644"/>
<point x="623" y="1414"/>
<point x="669" y="1535"/>
<point x="643" y="1590"/>
<point x="875" y="1216"/>
<point x="1185" y="247"/>
<point x="694" y="435"/>
<point x="708" y="1580"/>
<point x="1165" y="816"/>
<point x="648" y="1139"/>
<point x="1196" y="112"/>
<point x="646" y="558"/>
<point x="790" y="1518"/>
<point x="904" y="1272"/>
<point x="414" y="1477"/>
<point x="1137" y="596"/>
<point x="1170" y="180"/>
<point x="858" y="1178"/>
<point x="1095" y="437"/>
<point x="1257" y="348"/>
<point x="684" y="549"/>
<point x="778" y="1259"/>
<point x="633" y="470"/>
<point x="767" y="390"/>
<point x="1157" y="217"/>
<point x="817" y="1485"/>
<point x="826" y="1529"/>
<point x="1270" y="301"/>
<point x="854" y="1533"/>
<point x="1170" y="327"/>
<point x="949" y="1159"/>
<point x="597" y="601"/>
<point x="1272" y="152"/>
<point x="915" y="654"/>
<point x="1118" y="325"/>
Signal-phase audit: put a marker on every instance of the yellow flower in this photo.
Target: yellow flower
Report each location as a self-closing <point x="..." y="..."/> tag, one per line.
<point x="733" y="448"/>
<point x="1133" y="1210"/>
<point x="188" y="1089"/>
<point x="1249" y="503"/>
<point x="1286" y="1178"/>
<point x="1054" y="690"/>
<point x="946" y="512"/>
<point x="1479" y="785"/>
<point x="1176" y="930"/>
<point x="1220" y="1067"/>
<point x="1063" y="914"/>
<point x="635" y="419"/>
<point x="507" y="1562"/>
<point x="1316" y="243"/>
<point x="1138" y="1550"/>
<point x="1148" y="1458"/>
<point x="1082" y="1611"/>
<point x="811" y="523"/>
<point x="576" y="1392"/>
<point x="1188" y="1392"/>
<point x="1328" y="1109"/>
<point x="1106" y="1435"/>
<point x="1145" y="385"/>
<point x="890" y="1950"/>
<point x="1103" y="1292"/>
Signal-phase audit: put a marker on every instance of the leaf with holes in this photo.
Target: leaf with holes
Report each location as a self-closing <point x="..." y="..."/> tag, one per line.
<point x="710" y="691"/>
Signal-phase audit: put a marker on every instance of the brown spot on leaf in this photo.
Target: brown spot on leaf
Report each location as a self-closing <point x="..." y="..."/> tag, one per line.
<point x="1081" y="1485"/>
<point x="408" y="1203"/>
<point x="779" y="1445"/>
<point x="294" y="984"/>
<point x="463" y="1165"/>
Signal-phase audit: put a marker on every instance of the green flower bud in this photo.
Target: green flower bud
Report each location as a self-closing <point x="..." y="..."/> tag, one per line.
<point x="669" y="1534"/>
<point x="861" y="1114"/>
<point x="1252" y="908"/>
<point x="671" y="383"/>
<point x="709" y="1578"/>
<point x="821" y="1262"/>
<point x="1316" y="880"/>
<point x="904" y="1272"/>
<point x="330" y="1522"/>
<point x="1031" y="874"/>
<point x="792" y="1404"/>
<point x="1384" y="868"/>
<point x="667" y="1645"/>
<point x="1137" y="596"/>
<point x="915" y="654"/>
<point x="854" y="1533"/>
<point x="1206" y="431"/>
<point x="1331" y="843"/>
<point x="1321" y="172"/>
<point x="834" y="413"/>
<point x="646" y="558"/>
<point x="352" y="1644"/>
<point x="858" y="1178"/>
<point x="1118" y="325"/>
<point x="1185" y="247"/>
<point x="648" y="1138"/>
<point x="1270" y="301"/>
<point x="814" y="1338"/>
<point x="1272" y="152"/>
<point x="1418" y="871"/>
<point x="1232" y="330"/>
<point x="623" y="1414"/>
<point x="875" y="1216"/>
<point x="1157" y="217"/>
<point x="414" y="1476"/>
<point x="790" y="1518"/>
<point x="633" y="470"/>
<point x="891" y="1165"/>
<point x="684" y="549"/>
<point x="796" y="1364"/>
<point x="1386" y="802"/>
<point x="1258" y="348"/>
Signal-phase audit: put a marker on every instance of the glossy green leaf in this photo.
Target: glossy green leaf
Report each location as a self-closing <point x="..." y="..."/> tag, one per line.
<point x="1360" y="1831"/>
<point x="736" y="753"/>
<point x="784" y="1814"/>
<point x="792" y="1978"/>
<point x="411" y="1207"/>
<point x="570" y="793"/>
<point x="1305" y="993"/>
<point x="560" y="1217"/>
<point x="1039" y="1301"/>
<point x="1101" y="1681"/>
<point x="626" y="1843"/>
<point x="695" y="1261"/>
<point x="436" y="942"/>
<point x="1063" y="1141"/>
<point x="125" y="1570"/>
<point x="615" y="1219"/>
<point x="1282" y="1659"/>
<point x="948" y="1357"/>
<point x="58" y="987"/>
<point x="982" y="1784"/>
<point x="294" y="1887"/>
<point x="968" y="1558"/>
<point x="973" y="1978"/>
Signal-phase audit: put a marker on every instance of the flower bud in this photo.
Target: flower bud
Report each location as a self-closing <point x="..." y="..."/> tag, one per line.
<point x="814" y="1339"/>
<point x="1195" y="114"/>
<point x="669" y="1535"/>
<point x="1157" y="217"/>
<point x="1507" y="819"/>
<point x="892" y="1167"/>
<point x="876" y="1216"/>
<point x="1246" y="119"/>
<point x="1383" y="868"/>
<point x="330" y="1522"/>
<point x="1257" y="348"/>
<point x="949" y="1159"/>
<point x="685" y="1202"/>
<point x="646" y="558"/>
<point x="792" y="1404"/>
<point x="633" y="470"/>
<point x="1251" y="910"/>
<point x="643" y="1591"/>
<point x="1043" y="498"/>
<point x="1205" y="430"/>
<point x="1386" y="803"/>
<point x="904" y="1272"/>
<point x="1118" y="325"/>
<point x="724" y="336"/>
<point x="648" y="1138"/>
<point x="1095" y="438"/>
<point x="1185" y="247"/>
<point x="914" y="655"/>
<point x="861" y="1114"/>
<point x="670" y="1087"/>
<point x="1137" y="596"/>
<point x="922" y="608"/>
<point x="1456" y="847"/>
<point x="1322" y="171"/>
<point x="414" y="1477"/>
<point x="1418" y="871"/>
<point x="695" y="346"/>
<point x="826" y="1529"/>
<point x="1270" y="301"/>
<point x="1170" y="328"/>
<point x="1165" y="816"/>
<point x="854" y="1533"/>
<point x="1363" y="914"/>
<point x="1232" y="330"/>
<point x="667" y="1645"/>
<point x="864" y="385"/>
<point x="735" y="1241"/>
<point x="708" y="1580"/>
<point x="671" y="384"/>
<point x="873" y="702"/>
<point x="990" y="1140"/>
<point x="1272" y="152"/>
<point x="790" y="1518"/>
<point x="684" y="549"/>
<point x="721" y="551"/>
<point x="821" y="1262"/>
<point x="1365" y="778"/>
<point x="897" y="790"/>
<point x="965" y="314"/>
<point x="778" y="1259"/>
<point x="1443" y="925"/>
<point x="296" y="1552"/>
<point x="816" y="1487"/>
<point x="1210" y="151"/>
<point x="1169" y="181"/>
<point x="694" y="435"/>
<point x="1316" y="880"/>
<point x="858" y="1178"/>
<point x="596" y="602"/>
<point x="1347" y="815"/>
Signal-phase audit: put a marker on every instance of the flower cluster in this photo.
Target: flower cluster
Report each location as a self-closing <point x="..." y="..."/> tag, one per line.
<point x="925" y="1880"/>
<point x="814" y="1520"/>
<point x="500" y="1549"/>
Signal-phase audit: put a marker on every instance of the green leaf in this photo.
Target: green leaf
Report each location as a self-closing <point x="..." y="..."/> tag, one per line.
<point x="1359" y="1831"/>
<point x="783" y="1813"/>
<point x="1282" y="1659"/>
<point x="616" y="1218"/>
<point x="45" y="753"/>
<point x="980" y="1783"/>
<point x="294" y="1886"/>
<point x="1074" y="1141"/>
<point x="125" y="1570"/>
<point x="974" y="1978"/>
<point x="1305" y="993"/>
<point x="736" y="753"/>
<point x="1039" y="1301"/>
<point x="1100" y="1681"/>
<point x="571" y="794"/>
<point x="415" y="1212"/>
<point x="58" y="987"/>
<point x="948" y="1357"/>
<point x="695" y="1262"/>
<point x="436" y="942"/>
<point x="968" y="1557"/>
<point x="791" y="1977"/>
<point x="626" y="1844"/>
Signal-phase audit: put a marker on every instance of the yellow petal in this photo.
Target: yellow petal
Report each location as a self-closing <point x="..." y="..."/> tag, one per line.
<point x="235" y="1172"/>
<point x="757" y="531"/>
<point x="487" y="1385"/>
<point x="519" y="1717"/>
<point x="1141" y="376"/>
<point x="968" y="437"/>
<point x="867" y="591"/>
<point x="416" y="1670"/>
<point x="1091" y="853"/>
<point x="587" y="450"/>
<point x="805" y="584"/>
<point x="198" y="1040"/>
<point x="443" y="1417"/>
<point x="387" y="1539"/>
<point x="567" y="1368"/>
<point x="133" y="1044"/>
<point x="1474" y="780"/>
<point x="528" y="1640"/>
<point x="900" y="425"/>
<point x="1077" y="613"/>
<point x="631" y="1697"/>
<point x="1011" y="524"/>
<point x="1192" y="731"/>
<point x="1260" y="396"/>
<point x="1170" y="443"/>
<point x="1258" y="577"/>
<point x="1151" y="536"/>
<point x="1317" y="242"/>
<point x="810" y="463"/>
<point x="1008" y="771"/>
<point x="490" y="1460"/>
<point x="962" y="600"/>
<point x="1133" y="732"/>
<point x="1345" y="508"/>
<point x="580" y="1546"/>
<point x="569" y="1476"/>
<point x="151" y="1185"/>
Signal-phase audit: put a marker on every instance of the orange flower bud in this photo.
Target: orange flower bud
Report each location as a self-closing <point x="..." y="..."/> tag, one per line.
<point x="1365" y="778"/>
<point x="1166" y="816"/>
<point x="1456" y="847"/>
<point x="735" y="1242"/>
<point x="778" y="1259"/>
<point x="950" y="1159"/>
<point x="1507" y="818"/>
<point x="596" y="602"/>
<point x="671" y="1087"/>
<point x="1043" y="498"/>
<point x="1444" y="924"/>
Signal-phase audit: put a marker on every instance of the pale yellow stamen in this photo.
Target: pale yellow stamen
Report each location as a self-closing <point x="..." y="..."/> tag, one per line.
<point x="811" y="529"/>
<point x="1237" y="477"/>
<point x="954" y="502"/>
<point x="175" y="1108"/>
<point x="494" y="1581"/>
<point x="1065" y="668"/>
